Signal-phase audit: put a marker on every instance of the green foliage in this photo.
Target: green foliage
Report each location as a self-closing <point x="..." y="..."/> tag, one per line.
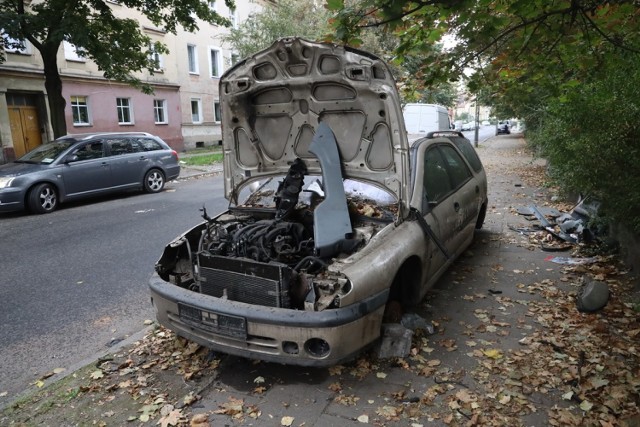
<point x="590" y="137"/>
<point x="203" y="159"/>
<point x="568" y="68"/>
<point x="288" y="18"/>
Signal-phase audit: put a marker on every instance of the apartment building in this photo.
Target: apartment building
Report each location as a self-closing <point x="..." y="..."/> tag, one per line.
<point x="183" y="110"/>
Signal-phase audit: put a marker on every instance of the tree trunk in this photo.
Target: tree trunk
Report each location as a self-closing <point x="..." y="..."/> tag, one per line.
<point x="53" y="85"/>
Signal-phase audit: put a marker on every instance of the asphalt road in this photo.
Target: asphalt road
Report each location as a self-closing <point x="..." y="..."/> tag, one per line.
<point x="484" y="133"/>
<point x="74" y="282"/>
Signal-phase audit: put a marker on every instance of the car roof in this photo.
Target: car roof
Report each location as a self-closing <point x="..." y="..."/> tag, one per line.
<point x="85" y="136"/>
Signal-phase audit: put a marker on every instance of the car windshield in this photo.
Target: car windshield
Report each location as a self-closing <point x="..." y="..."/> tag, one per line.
<point x="46" y="153"/>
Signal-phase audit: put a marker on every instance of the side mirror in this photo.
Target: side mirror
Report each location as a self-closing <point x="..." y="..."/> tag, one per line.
<point x="71" y="158"/>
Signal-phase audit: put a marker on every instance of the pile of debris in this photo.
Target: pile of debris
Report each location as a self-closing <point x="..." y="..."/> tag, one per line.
<point x="558" y="231"/>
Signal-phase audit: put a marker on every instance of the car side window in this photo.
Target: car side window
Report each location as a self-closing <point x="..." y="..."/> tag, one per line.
<point x="458" y="170"/>
<point x="147" y="144"/>
<point x="469" y="153"/>
<point x="91" y="150"/>
<point x="436" y="182"/>
<point x="119" y="146"/>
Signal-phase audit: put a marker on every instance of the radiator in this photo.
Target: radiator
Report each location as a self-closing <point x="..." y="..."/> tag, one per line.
<point x="245" y="280"/>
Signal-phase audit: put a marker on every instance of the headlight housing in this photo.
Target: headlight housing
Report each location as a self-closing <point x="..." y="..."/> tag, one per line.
<point x="6" y="182"/>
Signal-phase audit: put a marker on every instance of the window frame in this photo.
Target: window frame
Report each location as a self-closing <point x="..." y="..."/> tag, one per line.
<point x="71" y="52"/>
<point x="192" y="56"/>
<point x="156" y="57"/>
<point x="122" y="108"/>
<point x="26" y="46"/>
<point x="218" y="66"/>
<point x="75" y="110"/>
<point x="198" y="102"/>
<point x="217" y="111"/>
<point x="160" y="105"/>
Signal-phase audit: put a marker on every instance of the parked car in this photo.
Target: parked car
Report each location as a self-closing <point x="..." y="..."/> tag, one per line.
<point x="470" y="125"/>
<point x="332" y="217"/>
<point x="485" y="123"/>
<point x="78" y="166"/>
<point x="503" y="127"/>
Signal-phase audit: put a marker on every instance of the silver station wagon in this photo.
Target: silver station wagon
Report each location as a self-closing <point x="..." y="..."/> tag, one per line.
<point x="75" y="167"/>
<point x="333" y="215"/>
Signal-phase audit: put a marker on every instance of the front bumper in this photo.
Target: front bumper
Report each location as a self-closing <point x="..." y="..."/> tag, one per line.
<point x="295" y="337"/>
<point x="11" y="199"/>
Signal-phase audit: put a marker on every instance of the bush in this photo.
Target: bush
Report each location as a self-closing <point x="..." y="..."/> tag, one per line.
<point x="591" y="139"/>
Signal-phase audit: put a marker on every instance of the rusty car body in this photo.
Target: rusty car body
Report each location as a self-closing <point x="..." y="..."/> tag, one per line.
<point x="332" y="213"/>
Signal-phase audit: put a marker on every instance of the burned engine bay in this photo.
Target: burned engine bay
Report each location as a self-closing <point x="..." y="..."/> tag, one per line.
<point x="265" y="251"/>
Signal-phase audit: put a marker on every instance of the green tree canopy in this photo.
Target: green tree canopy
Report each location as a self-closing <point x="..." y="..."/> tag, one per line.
<point x="569" y="68"/>
<point x="117" y="45"/>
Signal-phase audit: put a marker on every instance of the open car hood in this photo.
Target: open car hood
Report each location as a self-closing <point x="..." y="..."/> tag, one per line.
<point x="273" y="102"/>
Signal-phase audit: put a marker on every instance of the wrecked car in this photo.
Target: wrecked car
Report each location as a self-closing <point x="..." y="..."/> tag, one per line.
<point x="333" y="216"/>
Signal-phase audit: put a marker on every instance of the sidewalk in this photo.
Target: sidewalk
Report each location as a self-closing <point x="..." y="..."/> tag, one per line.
<point x="510" y="349"/>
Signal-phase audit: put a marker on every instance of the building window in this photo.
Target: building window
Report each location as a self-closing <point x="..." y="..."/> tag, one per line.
<point x="235" y="57"/>
<point x="217" y="113"/>
<point x="193" y="59"/>
<point x="12" y="45"/>
<point x="80" y="111"/>
<point x="160" y="111"/>
<point x="212" y="5"/>
<point x="215" y="62"/>
<point x="156" y="58"/>
<point x="125" y="113"/>
<point x="71" y="53"/>
<point x="196" y="110"/>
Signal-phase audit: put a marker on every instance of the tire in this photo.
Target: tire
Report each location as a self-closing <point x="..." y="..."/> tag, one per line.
<point x="153" y="181"/>
<point x="481" y="216"/>
<point x="43" y="198"/>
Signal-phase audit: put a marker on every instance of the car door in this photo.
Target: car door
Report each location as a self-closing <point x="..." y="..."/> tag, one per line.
<point x="126" y="166"/>
<point x="87" y="171"/>
<point x="463" y="199"/>
<point x="438" y="197"/>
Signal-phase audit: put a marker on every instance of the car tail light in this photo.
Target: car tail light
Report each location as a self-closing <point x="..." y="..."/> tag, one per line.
<point x="175" y="154"/>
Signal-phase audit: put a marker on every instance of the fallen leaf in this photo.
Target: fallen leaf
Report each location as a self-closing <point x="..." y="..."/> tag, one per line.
<point x="286" y="421"/>
<point x="381" y="375"/>
<point x="493" y="353"/>
<point x="95" y="375"/>
<point x="364" y="419"/>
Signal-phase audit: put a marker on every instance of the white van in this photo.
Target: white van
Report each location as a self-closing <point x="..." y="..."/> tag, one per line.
<point x="424" y="118"/>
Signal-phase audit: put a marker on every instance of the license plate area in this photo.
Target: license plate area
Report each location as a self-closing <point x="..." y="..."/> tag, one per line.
<point x="222" y="324"/>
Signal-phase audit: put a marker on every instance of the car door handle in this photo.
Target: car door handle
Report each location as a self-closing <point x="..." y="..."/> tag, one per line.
<point x="456" y="206"/>
<point x="477" y="189"/>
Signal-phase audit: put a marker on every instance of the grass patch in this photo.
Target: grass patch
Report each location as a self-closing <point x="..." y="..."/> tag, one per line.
<point x="202" y="159"/>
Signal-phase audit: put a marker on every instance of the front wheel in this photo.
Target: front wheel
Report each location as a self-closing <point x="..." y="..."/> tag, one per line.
<point x="481" y="216"/>
<point x="42" y="198"/>
<point x="153" y="181"/>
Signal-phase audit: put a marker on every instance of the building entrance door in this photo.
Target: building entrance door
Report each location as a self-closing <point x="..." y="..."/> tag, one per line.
<point x="24" y="122"/>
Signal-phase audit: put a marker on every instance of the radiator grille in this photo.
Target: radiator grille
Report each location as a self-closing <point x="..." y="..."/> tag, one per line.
<point x="245" y="280"/>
